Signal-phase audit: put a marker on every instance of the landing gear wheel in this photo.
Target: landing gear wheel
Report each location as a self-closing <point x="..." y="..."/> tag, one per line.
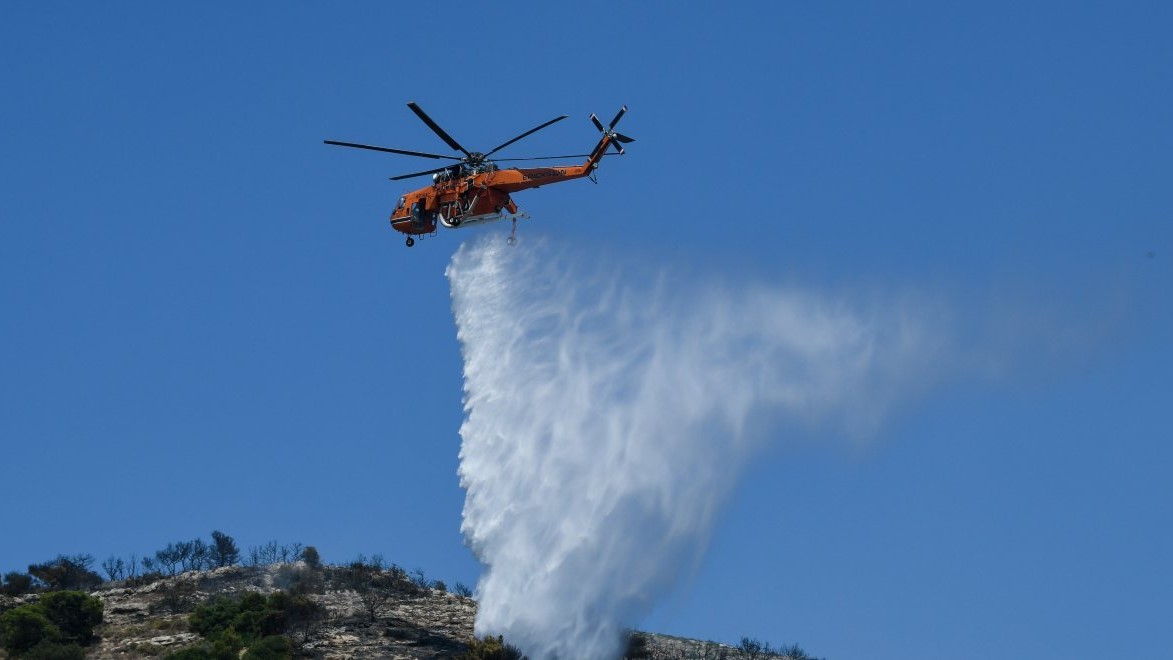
<point x="410" y="241"/>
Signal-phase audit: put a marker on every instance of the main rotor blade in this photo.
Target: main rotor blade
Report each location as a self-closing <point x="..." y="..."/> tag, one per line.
<point x="389" y="150"/>
<point x="436" y="128"/>
<point x="408" y="176"/>
<point x="529" y="132"/>
<point x="598" y="124"/>
<point x="623" y="138"/>
<point x="616" y="119"/>
<point x="506" y="160"/>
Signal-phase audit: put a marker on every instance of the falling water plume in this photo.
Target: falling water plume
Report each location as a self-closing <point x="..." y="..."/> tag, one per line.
<point x="609" y="413"/>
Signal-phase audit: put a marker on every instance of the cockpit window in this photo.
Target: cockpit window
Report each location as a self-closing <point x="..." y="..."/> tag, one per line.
<point x="402" y="201"/>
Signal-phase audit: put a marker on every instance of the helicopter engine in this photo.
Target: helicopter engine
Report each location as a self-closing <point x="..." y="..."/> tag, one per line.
<point x="449" y="174"/>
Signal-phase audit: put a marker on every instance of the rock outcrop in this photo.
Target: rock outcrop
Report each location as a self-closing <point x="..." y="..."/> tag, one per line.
<point x="151" y="620"/>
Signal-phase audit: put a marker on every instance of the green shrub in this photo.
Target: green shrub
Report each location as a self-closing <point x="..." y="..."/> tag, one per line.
<point x="192" y="653"/>
<point x="255" y="622"/>
<point x="227" y="644"/>
<point x="273" y="647"/>
<point x="213" y="617"/>
<point x="74" y="613"/>
<point x="47" y="650"/>
<point x="57" y="626"/>
<point x="24" y="627"/>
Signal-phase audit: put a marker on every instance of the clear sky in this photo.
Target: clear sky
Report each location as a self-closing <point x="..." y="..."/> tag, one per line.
<point x="206" y="323"/>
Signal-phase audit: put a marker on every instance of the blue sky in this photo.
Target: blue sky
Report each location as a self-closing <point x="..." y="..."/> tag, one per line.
<point x="205" y="321"/>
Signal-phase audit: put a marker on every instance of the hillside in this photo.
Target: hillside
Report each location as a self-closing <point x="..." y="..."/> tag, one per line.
<point x="399" y="619"/>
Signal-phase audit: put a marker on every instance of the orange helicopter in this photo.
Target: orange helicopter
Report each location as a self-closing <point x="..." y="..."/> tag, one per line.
<point x="473" y="190"/>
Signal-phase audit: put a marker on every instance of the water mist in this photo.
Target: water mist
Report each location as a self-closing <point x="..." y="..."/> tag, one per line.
<point x="609" y="413"/>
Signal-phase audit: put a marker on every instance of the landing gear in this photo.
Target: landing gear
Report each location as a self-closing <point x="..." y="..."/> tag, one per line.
<point x="410" y="241"/>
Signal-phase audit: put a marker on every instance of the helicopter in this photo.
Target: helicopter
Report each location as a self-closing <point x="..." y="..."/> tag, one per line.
<point x="473" y="190"/>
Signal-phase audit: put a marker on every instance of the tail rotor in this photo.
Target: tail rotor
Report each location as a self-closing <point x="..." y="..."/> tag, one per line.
<point x="609" y="131"/>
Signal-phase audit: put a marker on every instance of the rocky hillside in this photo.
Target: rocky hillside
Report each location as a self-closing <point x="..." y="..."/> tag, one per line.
<point x="404" y="621"/>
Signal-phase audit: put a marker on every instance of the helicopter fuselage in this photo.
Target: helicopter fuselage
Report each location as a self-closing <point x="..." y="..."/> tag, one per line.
<point x="464" y="200"/>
